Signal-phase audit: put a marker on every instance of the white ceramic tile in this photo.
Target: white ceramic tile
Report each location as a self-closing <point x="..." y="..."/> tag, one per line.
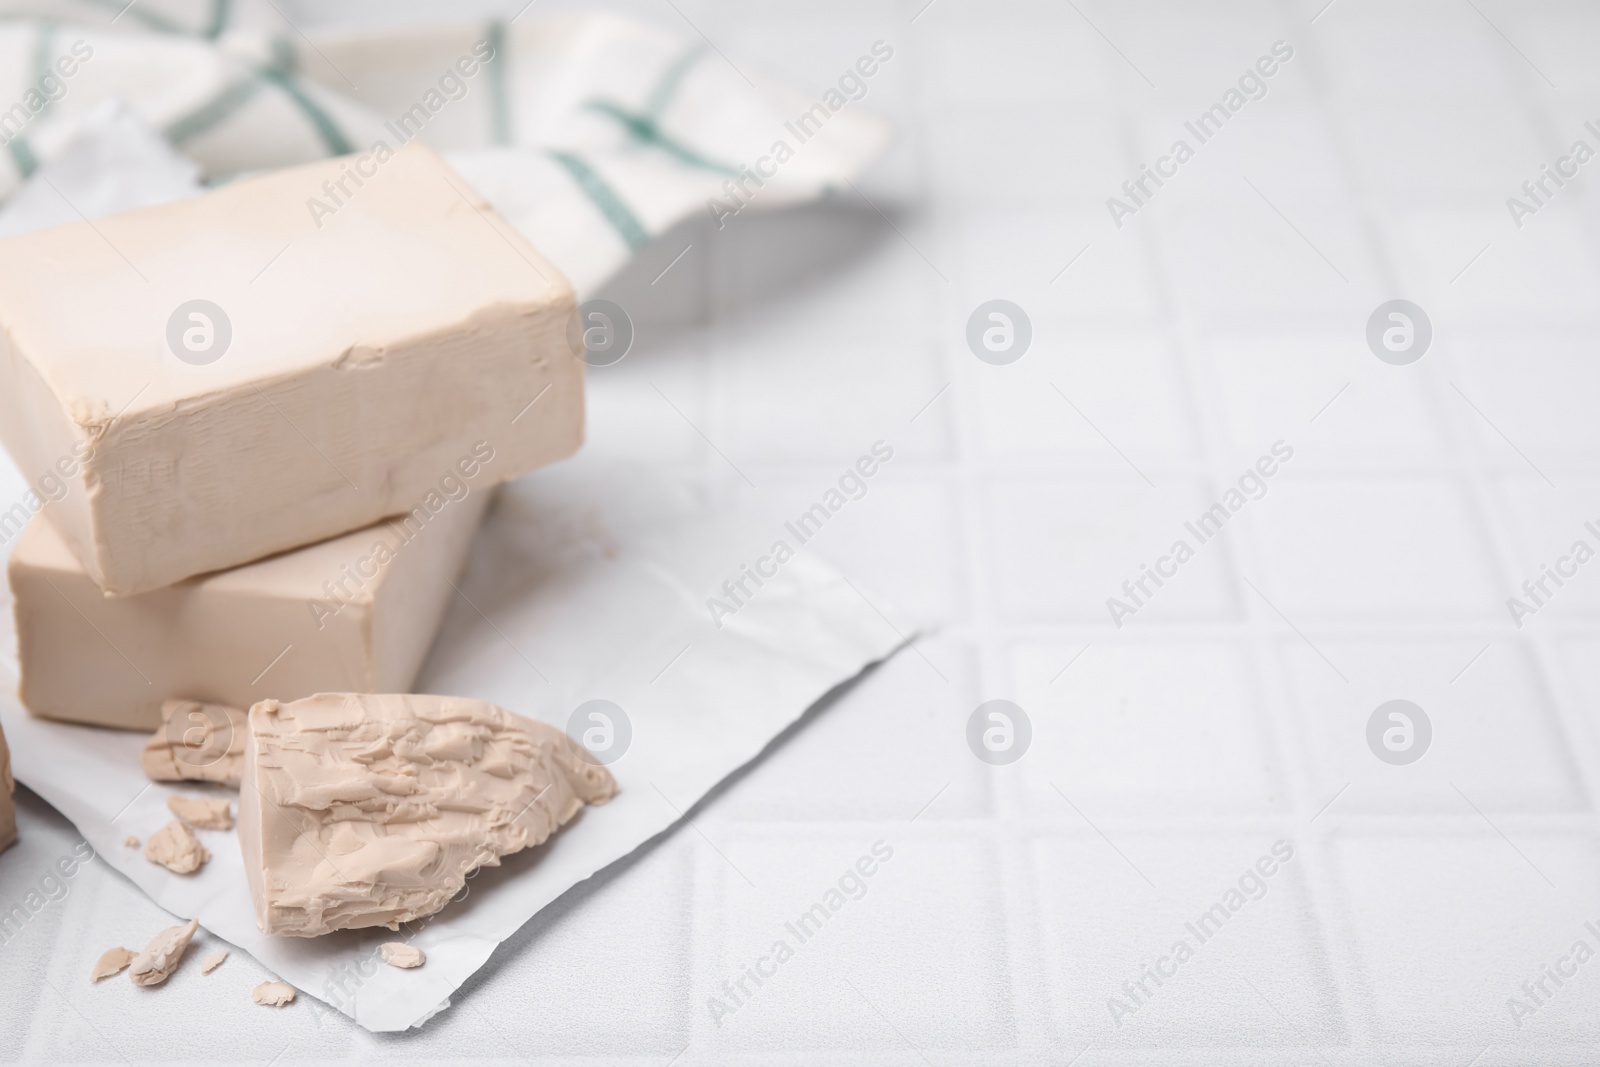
<point x="1158" y="39"/>
<point x="1480" y="145"/>
<point x="900" y="535"/>
<point x="1382" y="52"/>
<point x="927" y="917"/>
<point x="1033" y="154"/>
<point x="1117" y="731"/>
<point x="1251" y="975"/>
<point x="1475" y="921"/>
<point x="1554" y="35"/>
<point x="1070" y="264"/>
<point x="1581" y="657"/>
<point x="1529" y="393"/>
<point x="1495" y="742"/>
<point x="1554" y="543"/>
<point x="1472" y="263"/>
<point x="1271" y="140"/>
<point x="1378" y="549"/>
<point x="1262" y="253"/>
<point x="1328" y="397"/>
<point x="1114" y="528"/>
<point x="1103" y="397"/>
<point x="1019" y="255"/>
<point x="1013" y="61"/>
<point x="798" y="391"/>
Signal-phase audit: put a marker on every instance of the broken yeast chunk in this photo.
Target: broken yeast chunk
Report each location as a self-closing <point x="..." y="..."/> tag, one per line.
<point x="204" y="813"/>
<point x="161" y="956"/>
<point x="273" y="994"/>
<point x="112" y="961"/>
<point x="175" y="847"/>
<point x="399" y="954"/>
<point x="204" y="383"/>
<point x="371" y="810"/>
<point x="354" y="614"/>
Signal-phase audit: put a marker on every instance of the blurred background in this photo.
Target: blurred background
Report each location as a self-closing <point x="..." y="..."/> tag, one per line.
<point x="1342" y="349"/>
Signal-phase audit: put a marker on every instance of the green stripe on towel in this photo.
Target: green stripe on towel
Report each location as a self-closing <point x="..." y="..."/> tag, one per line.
<point x="214" y="112"/>
<point x="332" y="136"/>
<point x="604" y="198"/>
<point x="227" y="103"/>
<point x="644" y="130"/>
<point x="667" y="87"/>
<point x="220" y="12"/>
<point x="645" y="127"/>
<point x="499" y="96"/>
<point x="42" y="50"/>
<point x="22" y="155"/>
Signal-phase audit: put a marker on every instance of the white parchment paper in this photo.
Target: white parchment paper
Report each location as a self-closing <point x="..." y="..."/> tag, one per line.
<point x="588" y="582"/>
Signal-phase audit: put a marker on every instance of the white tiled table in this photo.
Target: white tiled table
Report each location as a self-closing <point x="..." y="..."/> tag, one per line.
<point x="1229" y="714"/>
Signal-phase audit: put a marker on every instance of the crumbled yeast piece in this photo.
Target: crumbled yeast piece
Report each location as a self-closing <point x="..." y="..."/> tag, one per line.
<point x="213" y="961"/>
<point x="400" y="954"/>
<point x="208" y="813"/>
<point x="111" y="962"/>
<point x="160" y="957"/>
<point x="273" y="994"/>
<point x="197" y="742"/>
<point x="360" y="810"/>
<point x="130" y="842"/>
<point x="175" y="847"/>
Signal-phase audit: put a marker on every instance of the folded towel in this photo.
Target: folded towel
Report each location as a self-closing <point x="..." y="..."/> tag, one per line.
<point x="590" y="133"/>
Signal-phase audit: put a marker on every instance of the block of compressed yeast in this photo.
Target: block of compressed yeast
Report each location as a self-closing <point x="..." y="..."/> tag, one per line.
<point x="205" y="383"/>
<point x="361" y="810"/>
<point x="8" y="809"/>
<point x="356" y="613"/>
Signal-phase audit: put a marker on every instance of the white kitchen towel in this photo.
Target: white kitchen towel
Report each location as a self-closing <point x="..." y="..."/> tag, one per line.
<point x="590" y="133"/>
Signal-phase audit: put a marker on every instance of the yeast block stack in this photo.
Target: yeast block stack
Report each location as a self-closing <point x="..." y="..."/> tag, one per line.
<point x="266" y="431"/>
